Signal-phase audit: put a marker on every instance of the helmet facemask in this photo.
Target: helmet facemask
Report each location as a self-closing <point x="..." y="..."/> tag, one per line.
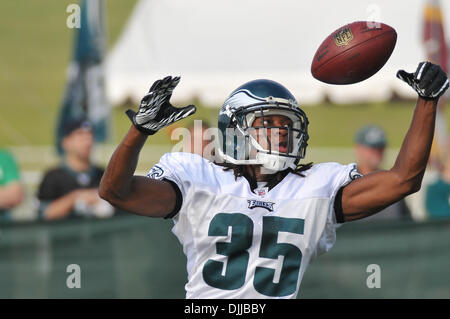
<point x="260" y="145"/>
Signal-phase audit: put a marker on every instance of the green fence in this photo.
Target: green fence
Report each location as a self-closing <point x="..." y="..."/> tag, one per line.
<point x="137" y="257"/>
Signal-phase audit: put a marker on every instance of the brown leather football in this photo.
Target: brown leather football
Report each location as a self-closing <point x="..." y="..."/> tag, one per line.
<point x="353" y="52"/>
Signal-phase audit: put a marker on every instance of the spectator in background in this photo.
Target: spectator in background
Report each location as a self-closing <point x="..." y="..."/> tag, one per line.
<point x="437" y="196"/>
<point x="11" y="189"/>
<point x="370" y="144"/>
<point x="71" y="189"/>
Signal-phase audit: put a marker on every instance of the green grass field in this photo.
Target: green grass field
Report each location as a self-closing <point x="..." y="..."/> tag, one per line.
<point x="35" y="52"/>
<point x="330" y="125"/>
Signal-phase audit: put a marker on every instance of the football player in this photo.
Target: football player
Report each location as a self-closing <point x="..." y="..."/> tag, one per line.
<point x="251" y="221"/>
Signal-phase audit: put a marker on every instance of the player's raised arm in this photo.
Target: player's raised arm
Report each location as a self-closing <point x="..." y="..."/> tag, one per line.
<point x="373" y="192"/>
<point x="119" y="185"/>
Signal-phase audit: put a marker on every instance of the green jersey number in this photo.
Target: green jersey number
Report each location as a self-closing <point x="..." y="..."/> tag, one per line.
<point x="236" y="250"/>
<point x="230" y="273"/>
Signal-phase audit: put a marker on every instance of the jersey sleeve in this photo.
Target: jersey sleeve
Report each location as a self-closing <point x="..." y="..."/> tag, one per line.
<point x="341" y="175"/>
<point x="171" y="166"/>
<point x="47" y="192"/>
<point x="180" y="169"/>
<point x="48" y="188"/>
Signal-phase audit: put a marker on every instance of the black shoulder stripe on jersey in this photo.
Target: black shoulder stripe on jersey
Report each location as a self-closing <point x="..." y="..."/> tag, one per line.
<point x="179" y="199"/>
<point x="338" y="207"/>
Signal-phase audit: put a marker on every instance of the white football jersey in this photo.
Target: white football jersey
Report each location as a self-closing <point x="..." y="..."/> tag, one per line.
<point x="244" y="244"/>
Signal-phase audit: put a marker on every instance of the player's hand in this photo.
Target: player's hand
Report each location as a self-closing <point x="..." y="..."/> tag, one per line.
<point x="155" y="111"/>
<point x="429" y="80"/>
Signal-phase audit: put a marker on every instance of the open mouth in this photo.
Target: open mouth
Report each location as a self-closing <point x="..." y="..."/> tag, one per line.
<point x="283" y="147"/>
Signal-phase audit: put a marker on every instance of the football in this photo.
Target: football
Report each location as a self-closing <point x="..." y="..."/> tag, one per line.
<point x="354" y="52"/>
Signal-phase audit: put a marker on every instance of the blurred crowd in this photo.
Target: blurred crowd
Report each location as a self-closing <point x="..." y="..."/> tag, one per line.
<point x="70" y="190"/>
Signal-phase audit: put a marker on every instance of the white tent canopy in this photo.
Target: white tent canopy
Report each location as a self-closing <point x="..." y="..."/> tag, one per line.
<point x="215" y="46"/>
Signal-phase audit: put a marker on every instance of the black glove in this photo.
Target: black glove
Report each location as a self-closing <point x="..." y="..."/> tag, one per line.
<point x="155" y="111"/>
<point x="429" y="80"/>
